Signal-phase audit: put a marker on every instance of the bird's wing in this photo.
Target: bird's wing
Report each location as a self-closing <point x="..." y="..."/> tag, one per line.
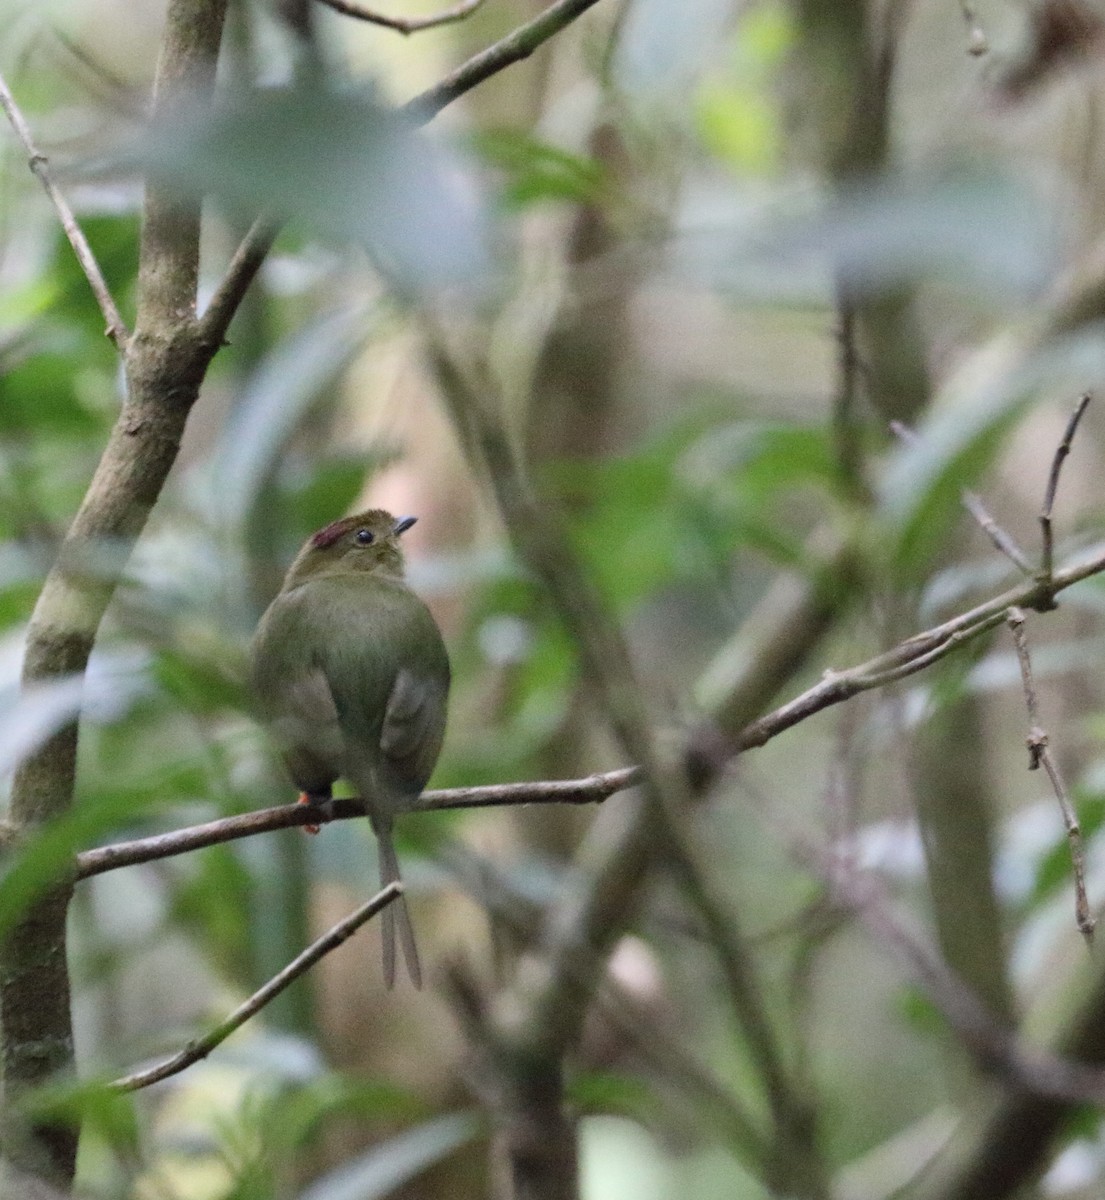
<point x="298" y="703"/>
<point x="414" y="723"/>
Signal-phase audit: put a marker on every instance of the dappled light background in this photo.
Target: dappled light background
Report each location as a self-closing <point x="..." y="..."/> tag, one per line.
<point x="661" y="239"/>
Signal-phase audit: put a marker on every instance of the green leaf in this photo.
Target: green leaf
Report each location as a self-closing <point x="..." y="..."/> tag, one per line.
<point x="114" y="242"/>
<point x="760" y="458"/>
<point x="979" y="226"/>
<point x="347" y="165"/>
<point x="309" y="501"/>
<point x="392" y="1163"/>
<point x="537" y="171"/>
<point x="91" y="1106"/>
<point x="608" y="1092"/>
<point x="41" y="394"/>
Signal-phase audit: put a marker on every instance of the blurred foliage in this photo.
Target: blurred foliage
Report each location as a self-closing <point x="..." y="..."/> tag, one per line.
<point x="713" y="465"/>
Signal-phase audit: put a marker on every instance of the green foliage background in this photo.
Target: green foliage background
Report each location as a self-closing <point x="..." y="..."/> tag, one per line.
<point x="714" y="457"/>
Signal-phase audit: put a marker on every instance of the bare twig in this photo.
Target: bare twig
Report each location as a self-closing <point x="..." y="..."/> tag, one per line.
<point x="913" y="654"/>
<point x="202" y="1047"/>
<point x="592" y="790"/>
<point x="972" y="502"/>
<point x="239" y="275"/>
<point x="116" y="326"/>
<point x="1061" y="452"/>
<point x="404" y="25"/>
<point x="1039" y="753"/>
<point x="515" y="47"/>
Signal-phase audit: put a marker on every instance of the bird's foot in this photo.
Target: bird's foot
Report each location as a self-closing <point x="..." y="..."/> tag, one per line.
<point x="306" y="798"/>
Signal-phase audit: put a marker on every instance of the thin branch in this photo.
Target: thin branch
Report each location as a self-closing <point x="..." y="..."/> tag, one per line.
<point x="515" y="47"/>
<point x="907" y="658"/>
<point x="202" y="1047"/>
<point x="38" y="162"/>
<point x="1061" y="452"/>
<point x="240" y="273"/>
<point x="1039" y="753"/>
<point x="592" y="790"/>
<point x="404" y="25"/>
<point x="914" y="653"/>
<point x="972" y="502"/>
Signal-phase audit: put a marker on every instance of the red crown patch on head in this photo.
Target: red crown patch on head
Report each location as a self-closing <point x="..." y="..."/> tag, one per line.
<point x="329" y="535"/>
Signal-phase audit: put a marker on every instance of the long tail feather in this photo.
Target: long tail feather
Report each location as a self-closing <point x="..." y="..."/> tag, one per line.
<point x="396" y="917"/>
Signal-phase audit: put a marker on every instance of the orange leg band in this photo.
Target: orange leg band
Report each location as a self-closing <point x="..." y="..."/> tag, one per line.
<point x="305" y="799"/>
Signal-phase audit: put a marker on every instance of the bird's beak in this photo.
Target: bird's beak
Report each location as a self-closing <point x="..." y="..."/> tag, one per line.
<point x="402" y="525"/>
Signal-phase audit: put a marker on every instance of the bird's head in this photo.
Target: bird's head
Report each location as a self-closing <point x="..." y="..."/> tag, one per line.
<point x="368" y="542"/>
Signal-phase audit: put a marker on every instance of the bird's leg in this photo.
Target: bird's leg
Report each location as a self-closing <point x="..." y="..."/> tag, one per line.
<point x="313" y="799"/>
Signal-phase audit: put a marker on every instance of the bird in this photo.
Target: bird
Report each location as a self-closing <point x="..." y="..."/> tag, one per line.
<point x="351" y="677"/>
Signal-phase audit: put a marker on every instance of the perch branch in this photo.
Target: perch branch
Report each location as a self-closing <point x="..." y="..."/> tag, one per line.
<point x="909" y="656"/>
<point x="404" y="25"/>
<point x="300" y="965"/>
<point x="1039" y="754"/>
<point x="39" y="164"/>
<point x="592" y="790"/>
<point x="516" y="46"/>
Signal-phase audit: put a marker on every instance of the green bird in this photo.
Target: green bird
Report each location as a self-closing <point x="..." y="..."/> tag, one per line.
<point x="352" y="678"/>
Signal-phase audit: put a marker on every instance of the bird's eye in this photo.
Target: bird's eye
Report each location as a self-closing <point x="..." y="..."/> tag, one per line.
<point x="364" y="537"/>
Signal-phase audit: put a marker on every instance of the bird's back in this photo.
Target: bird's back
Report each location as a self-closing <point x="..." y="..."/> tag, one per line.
<point x="358" y="683"/>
